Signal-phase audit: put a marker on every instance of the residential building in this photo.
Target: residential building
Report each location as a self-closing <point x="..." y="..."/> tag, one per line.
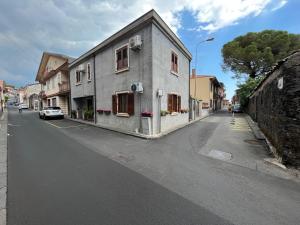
<point x="32" y="92"/>
<point x="137" y="80"/>
<point x="2" y="85"/>
<point x="206" y="89"/>
<point x="21" y="95"/>
<point x="53" y="74"/>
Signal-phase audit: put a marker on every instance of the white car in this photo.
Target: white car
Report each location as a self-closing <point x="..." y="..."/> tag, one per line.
<point x="23" y="106"/>
<point x="51" y="112"/>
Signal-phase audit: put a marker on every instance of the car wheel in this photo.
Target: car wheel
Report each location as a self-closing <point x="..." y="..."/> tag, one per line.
<point x="44" y="116"/>
<point x="40" y="116"/>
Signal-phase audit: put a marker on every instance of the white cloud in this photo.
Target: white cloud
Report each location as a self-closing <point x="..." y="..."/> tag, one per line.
<point x="279" y="5"/>
<point x="27" y="28"/>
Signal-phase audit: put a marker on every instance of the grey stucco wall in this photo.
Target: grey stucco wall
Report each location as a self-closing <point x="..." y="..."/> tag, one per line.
<point x="152" y="66"/>
<point x="167" y="81"/>
<point x="108" y="82"/>
<point x="86" y="88"/>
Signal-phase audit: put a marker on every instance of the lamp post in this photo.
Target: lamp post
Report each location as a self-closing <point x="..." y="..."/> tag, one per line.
<point x="195" y="87"/>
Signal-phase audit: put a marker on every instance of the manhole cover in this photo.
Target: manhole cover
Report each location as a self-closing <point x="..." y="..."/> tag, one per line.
<point x="217" y="154"/>
<point x="252" y="142"/>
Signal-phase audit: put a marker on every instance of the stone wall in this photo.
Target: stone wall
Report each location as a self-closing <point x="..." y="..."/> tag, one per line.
<point x="275" y="106"/>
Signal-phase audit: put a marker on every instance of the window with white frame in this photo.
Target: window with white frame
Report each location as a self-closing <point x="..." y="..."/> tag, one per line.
<point x="89" y="74"/>
<point x="174" y="62"/>
<point x="78" y="77"/>
<point x="122" y="59"/>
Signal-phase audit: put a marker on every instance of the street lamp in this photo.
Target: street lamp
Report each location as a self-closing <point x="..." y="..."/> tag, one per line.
<point x="209" y="39"/>
<point x="195" y="87"/>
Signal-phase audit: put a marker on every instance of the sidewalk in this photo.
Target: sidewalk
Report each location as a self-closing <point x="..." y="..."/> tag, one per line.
<point x="3" y="166"/>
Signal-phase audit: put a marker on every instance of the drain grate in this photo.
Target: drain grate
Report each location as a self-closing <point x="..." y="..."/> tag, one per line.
<point x="217" y="154"/>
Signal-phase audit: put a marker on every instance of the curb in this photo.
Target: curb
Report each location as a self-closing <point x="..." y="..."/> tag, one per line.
<point x="3" y="167"/>
<point x="259" y="135"/>
<point x="138" y="134"/>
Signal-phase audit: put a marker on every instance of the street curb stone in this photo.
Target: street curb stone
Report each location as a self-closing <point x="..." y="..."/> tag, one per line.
<point x="259" y="135"/>
<point x="3" y="167"/>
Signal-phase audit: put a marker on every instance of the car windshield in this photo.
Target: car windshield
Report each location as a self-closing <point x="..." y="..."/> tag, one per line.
<point x="237" y="106"/>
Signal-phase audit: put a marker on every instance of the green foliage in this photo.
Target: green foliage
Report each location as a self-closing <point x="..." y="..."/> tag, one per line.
<point x="245" y="89"/>
<point x="88" y="114"/>
<point x="6" y="98"/>
<point x="255" y="53"/>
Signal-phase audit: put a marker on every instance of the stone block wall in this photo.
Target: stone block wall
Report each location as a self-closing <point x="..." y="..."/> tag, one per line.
<point x="276" y="109"/>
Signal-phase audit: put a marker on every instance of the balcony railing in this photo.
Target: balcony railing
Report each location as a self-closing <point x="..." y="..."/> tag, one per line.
<point x="64" y="87"/>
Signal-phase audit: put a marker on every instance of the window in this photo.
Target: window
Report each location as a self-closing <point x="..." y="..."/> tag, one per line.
<point x="174" y="62"/>
<point x="53" y="101"/>
<point x="123" y="103"/>
<point x="78" y="77"/>
<point x="122" y="58"/>
<point x="52" y="83"/>
<point x="174" y="103"/>
<point x="89" y="75"/>
<point x="59" y="78"/>
<point x="48" y="85"/>
<point x="48" y="102"/>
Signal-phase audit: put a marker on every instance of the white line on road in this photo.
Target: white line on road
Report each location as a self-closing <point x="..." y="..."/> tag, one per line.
<point x="64" y="127"/>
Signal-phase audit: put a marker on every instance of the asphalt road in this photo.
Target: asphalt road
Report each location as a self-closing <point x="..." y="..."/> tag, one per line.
<point x="54" y="179"/>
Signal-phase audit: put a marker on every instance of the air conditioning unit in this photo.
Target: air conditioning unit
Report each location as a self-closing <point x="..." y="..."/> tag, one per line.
<point x="135" y="43"/>
<point x="137" y="87"/>
<point x="81" y="68"/>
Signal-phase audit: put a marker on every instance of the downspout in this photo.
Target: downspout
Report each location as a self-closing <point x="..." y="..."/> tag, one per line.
<point x="69" y="96"/>
<point x="95" y="102"/>
<point x="189" y="96"/>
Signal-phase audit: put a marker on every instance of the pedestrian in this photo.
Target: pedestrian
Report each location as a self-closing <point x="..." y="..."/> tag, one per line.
<point x="20" y="108"/>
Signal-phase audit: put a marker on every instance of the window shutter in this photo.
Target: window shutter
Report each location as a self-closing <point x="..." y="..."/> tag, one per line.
<point x="170" y="103"/>
<point x="179" y="104"/>
<point x="130" y="109"/>
<point x="114" y="104"/>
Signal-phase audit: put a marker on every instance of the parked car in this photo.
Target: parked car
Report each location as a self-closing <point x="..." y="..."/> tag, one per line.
<point x="237" y="108"/>
<point x="23" y="106"/>
<point x="51" y="112"/>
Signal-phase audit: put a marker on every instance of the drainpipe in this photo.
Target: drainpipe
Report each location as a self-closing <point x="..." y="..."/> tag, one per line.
<point x="95" y="102"/>
<point x="189" y="96"/>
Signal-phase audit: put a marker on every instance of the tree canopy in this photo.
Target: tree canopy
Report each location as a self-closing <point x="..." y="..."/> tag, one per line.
<point x="256" y="52"/>
<point x="245" y="89"/>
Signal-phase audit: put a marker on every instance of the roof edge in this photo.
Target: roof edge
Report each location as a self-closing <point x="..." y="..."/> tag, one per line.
<point x="150" y="16"/>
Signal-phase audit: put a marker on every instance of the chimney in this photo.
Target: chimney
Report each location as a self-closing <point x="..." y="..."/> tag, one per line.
<point x="193" y="73"/>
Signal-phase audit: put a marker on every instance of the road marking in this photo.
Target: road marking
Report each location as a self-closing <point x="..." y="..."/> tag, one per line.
<point x="239" y="124"/>
<point x="56" y="126"/>
<point x="12" y="125"/>
<point x="73" y="126"/>
<point x="53" y="124"/>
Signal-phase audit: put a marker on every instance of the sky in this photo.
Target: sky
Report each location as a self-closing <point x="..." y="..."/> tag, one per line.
<point x="72" y="27"/>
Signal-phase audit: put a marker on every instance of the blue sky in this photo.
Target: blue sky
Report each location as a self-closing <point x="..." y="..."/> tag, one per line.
<point x="209" y="53"/>
<point x="27" y="28"/>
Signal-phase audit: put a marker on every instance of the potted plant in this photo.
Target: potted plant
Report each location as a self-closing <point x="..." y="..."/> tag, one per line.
<point x="74" y="114"/>
<point x="107" y="111"/>
<point x="100" y="111"/>
<point x="147" y="114"/>
<point x="163" y="112"/>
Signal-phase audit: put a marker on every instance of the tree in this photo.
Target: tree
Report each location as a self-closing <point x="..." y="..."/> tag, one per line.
<point x="256" y="52"/>
<point x="245" y="89"/>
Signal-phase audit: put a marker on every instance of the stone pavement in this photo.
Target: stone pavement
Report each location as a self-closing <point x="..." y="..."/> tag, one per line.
<point x="3" y="166"/>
